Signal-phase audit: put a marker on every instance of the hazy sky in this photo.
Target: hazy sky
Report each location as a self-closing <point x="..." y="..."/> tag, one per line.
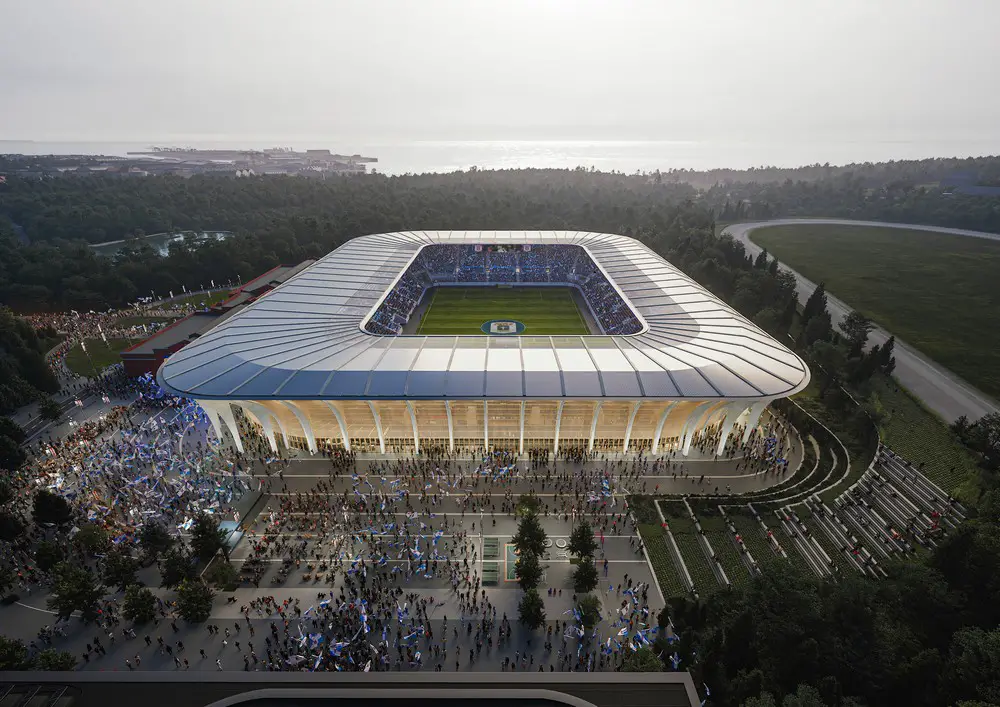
<point x="429" y="69"/>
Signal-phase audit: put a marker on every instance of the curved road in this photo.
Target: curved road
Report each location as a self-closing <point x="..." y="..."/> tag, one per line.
<point x="940" y="389"/>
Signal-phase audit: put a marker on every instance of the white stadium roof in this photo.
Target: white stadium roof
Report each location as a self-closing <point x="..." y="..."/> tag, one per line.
<point x="304" y="340"/>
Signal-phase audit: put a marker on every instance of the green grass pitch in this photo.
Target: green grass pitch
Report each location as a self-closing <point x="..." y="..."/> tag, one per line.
<point x="464" y="310"/>
<point x="937" y="292"/>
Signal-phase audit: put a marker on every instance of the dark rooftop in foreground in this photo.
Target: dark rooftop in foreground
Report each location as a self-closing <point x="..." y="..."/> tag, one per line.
<point x="416" y="689"/>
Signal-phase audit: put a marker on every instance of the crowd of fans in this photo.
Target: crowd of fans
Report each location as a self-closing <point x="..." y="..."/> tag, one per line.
<point x="569" y="264"/>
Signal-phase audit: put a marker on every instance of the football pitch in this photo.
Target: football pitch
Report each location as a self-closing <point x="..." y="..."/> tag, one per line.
<point x="464" y="310"/>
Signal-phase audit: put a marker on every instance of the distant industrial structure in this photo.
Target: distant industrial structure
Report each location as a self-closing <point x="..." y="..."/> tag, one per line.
<point x="187" y="162"/>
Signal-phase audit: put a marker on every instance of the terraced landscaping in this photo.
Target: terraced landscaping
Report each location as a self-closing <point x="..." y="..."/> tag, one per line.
<point x="832" y="550"/>
<point x="687" y="542"/>
<point x="923" y="439"/>
<point x="655" y="541"/>
<point x="718" y="535"/>
<point x="760" y="548"/>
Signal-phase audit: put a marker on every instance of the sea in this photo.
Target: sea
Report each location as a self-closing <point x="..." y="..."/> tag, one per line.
<point x="628" y="156"/>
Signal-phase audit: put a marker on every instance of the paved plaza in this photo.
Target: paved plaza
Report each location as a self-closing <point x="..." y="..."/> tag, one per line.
<point x="414" y="541"/>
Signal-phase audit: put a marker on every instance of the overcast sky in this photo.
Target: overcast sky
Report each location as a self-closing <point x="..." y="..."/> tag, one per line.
<point x="508" y="69"/>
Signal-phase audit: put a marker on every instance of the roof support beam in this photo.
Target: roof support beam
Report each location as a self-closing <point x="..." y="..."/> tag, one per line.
<point x="413" y="423"/>
<point x="213" y="417"/>
<point x="593" y="426"/>
<point x="303" y="419"/>
<point x="451" y="426"/>
<point x="521" y="434"/>
<point x="340" y="423"/>
<point x="732" y="414"/>
<point x="219" y="411"/>
<point x="659" y="426"/>
<point x="263" y="417"/>
<point x="631" y="419"/>
<point x="378" y="426"/>
<point x="691" y="424"/>
<point x="486" y="426"/>
<point x="755" y="411"/>
<point x="555" y="446"/>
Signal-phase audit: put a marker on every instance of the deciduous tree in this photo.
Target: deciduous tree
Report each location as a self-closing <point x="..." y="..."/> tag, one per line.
<point x="139" y="605"/>
<point x="531" y="609"/>
<point x="194" y="600"/>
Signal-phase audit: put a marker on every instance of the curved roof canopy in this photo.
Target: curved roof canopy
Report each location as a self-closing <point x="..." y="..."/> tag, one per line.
<point x="304" y="340"/>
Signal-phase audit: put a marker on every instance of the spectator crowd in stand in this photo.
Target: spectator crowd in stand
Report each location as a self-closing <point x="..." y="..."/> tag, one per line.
<point x="560" y="264"/>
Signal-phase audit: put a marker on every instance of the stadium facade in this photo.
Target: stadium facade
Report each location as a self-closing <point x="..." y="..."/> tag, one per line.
<point x="326" y="359"/>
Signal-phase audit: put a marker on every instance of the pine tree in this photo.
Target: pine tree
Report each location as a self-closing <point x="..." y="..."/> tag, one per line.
<point x="815" y="304"/>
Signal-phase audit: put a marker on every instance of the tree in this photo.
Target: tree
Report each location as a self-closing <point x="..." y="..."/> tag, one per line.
<point x="139" y="605"/>
<point x="643" y="660"/>
<point x="973" y="666"/>
<point x="10" y="526"/>
<point x="223" y="575"/>
<point x="194" y="600"/>
<point x="831" y="360"/>
<point x="530" y="536"/>
<point x="55" y="660"/>
<point x="590" y="610"/>
<point x="9" y="428"/>
<point x="527" y="504"/>
<point x="531" y="609"/>
<point x="75" y="589"/>
<point x="816" y="328"/>
<point x="529" y="570"/>
<point x="6" y="579"/>
<point x="119" y="567"/>
<point x="48" y="554"/>
<point x="581" y="540"/>
<point x="47" y="507"/>
<point x="12" y="456"/>
<point x="175" y="567"/>
<point x="155" y="539"/>
<point x="13" y="654"/>
<point x="761" y="262"/>
<point x="49" y="409"/>
<point x="206" y="537"/>
<point x="856" y="327"/>
<point x="6" y="491"/>
<point x="92" y="538"/>
<point x="585" y="576"/>
<point x="983" y="436"/>
<point x="815" y="304"/>
<point x="770" y="320"/>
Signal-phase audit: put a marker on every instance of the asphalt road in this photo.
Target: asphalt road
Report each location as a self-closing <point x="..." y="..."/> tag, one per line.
<point x="941" y="390"/>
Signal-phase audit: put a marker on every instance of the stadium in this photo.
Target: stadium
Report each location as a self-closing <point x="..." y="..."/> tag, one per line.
<point x="413" y="342"/>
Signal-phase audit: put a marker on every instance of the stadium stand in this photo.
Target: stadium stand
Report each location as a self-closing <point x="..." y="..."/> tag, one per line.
<point x="551" y="264"/>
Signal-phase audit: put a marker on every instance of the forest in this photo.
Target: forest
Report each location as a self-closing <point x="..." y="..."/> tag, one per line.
<point x="927" y="635"/>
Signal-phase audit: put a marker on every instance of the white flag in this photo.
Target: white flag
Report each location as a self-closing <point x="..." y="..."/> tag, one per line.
<point x="83" y="345"/>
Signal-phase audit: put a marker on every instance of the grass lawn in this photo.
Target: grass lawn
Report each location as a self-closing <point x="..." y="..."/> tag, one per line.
<point x="939" y="293"/>
<point x="103" y="355"/>
<point x="464" y="310"/>
<point x="922" y="438"/>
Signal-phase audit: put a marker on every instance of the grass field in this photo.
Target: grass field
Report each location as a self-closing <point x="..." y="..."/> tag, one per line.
<point x="464" y="310"/>
<point x="103" y="355"/>
<point x="921" y="437"/>
<point x="939" y="293"/>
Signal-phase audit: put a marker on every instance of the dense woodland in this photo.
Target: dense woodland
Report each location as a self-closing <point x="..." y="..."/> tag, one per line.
<point x="927" y="635"/>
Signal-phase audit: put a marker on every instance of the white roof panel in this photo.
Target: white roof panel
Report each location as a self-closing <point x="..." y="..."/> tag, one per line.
<point x="306" y="338"/>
